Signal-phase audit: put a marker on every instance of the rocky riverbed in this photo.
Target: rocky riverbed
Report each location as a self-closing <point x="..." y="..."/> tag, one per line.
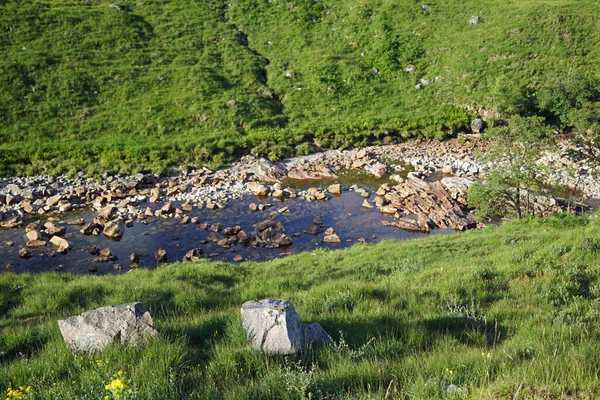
<point x="254" y="209"/>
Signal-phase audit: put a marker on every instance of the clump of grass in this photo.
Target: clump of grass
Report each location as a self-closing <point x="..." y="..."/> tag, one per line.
<point x="470" y="321"/>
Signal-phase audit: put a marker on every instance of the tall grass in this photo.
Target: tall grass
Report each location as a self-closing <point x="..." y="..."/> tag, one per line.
<point x="506" y="312"/>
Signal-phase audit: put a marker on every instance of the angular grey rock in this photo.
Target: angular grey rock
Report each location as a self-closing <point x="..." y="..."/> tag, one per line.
<point x="273" y="326"/>
<point x="477" y="125"/>
<point x="457" y="187"/>
<point x="93" y="330"/>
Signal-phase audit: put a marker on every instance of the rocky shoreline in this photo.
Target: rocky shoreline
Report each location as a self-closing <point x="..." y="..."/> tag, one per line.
<point x="422" y="183"/>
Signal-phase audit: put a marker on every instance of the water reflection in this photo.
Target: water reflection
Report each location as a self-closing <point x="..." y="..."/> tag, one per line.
<point x="344" y="213"/>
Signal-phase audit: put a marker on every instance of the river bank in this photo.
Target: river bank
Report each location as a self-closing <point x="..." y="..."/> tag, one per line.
<point x="253" y="210"/>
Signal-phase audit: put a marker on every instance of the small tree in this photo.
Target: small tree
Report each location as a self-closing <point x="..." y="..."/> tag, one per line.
<point x="515" y="174"/>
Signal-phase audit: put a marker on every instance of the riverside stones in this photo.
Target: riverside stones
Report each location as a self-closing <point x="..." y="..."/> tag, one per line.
<point x="93" y="330"/>
<point x="114" y="229"/>
<point x="331" y="237"/>
<point x="61" y="244"/>
<point x="274" y="327"/>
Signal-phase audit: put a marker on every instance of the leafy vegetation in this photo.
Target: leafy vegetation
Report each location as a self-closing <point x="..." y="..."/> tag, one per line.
<point x="505" y="312"/>
<point x="515" y="174"/>
<point x="147" y="85"/>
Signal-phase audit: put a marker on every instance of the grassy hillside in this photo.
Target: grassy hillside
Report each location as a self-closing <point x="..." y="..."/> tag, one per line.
<point x="507" y="312"/>
<point x="86" y="85"/>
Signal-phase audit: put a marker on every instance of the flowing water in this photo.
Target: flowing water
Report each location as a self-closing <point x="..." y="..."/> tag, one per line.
<point x="344" y="213"/>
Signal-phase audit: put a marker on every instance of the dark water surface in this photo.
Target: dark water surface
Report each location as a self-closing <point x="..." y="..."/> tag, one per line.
<point x="344" y="213"/>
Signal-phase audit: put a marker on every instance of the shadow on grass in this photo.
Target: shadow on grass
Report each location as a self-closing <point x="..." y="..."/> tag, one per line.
<point x="466" y="331"/>
<point x="24" y="345"/>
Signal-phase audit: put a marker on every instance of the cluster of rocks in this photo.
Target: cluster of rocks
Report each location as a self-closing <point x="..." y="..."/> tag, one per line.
<point x="271" y="326"/>
<point x="133" y="195"/>
<point x="416" y="204"/>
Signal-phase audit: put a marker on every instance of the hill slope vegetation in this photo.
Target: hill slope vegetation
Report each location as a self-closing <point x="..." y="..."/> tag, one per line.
<point x="145" y="85"/>
<point x="507" y="312"/>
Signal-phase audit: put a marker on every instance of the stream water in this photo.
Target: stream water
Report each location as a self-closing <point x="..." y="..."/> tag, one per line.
<point x="343" y="213"/>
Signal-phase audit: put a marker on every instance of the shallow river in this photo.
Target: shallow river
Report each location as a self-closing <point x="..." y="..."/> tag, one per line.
<point x="344" y="213"/>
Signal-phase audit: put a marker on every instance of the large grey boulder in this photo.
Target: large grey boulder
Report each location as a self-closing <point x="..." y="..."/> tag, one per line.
<point x="273" y="326"/>
<point x="93" y="330"/>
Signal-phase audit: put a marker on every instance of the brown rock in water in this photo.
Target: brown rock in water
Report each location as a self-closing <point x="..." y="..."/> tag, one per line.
<point x="252" y="207"/>
<point x="312" y="230"/>
<point x="61" y="244"/>
<point x="335" y="189"/>
<point x="88" y="229"/>
<point x="161" y="255"/>
<point x="54" y="230"/>
<point x="388" y="210"/>
<point x="134" y="258"/>
<point x="257" y="189"/>
<point x="10" y="243"/>
<point x="194" y="255"/>
<point x="36" y="244"/>
<point x="407" y="225"/>
<point x="106" y="253"/>
<point x="32" y="226"/>
<point x="33" y="235"/>
<point x="331" y="237"/>
<point x="238" y="258"/>
<point x="114" y="229"/>
<point x="366" y="204"/>
<point x="243" y="238"/>
<point x="317" y="220"/>
<point x="94" y="250"/>
<point x="23" y="253"/>
<point x="12" y="222"/>
<point x="107" y="212"/>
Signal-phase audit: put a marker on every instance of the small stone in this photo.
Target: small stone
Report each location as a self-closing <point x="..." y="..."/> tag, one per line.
<point x="62" y="245"/>
<point x="161" y="255"/>
<point x="332" y="239"/>
<point x="317" y="220"/>
<point x="23" y="253"/>
<point x="366" y="204"/>
<point x="238" y="258"/>
<point x="36" y="244"/>
<point x="335" y="189"/>
<point x="194" y="255"/>
<point x="33" y="235"/>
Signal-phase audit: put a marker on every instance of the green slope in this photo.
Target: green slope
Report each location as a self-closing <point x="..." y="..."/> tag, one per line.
<point x="163" y="82"/>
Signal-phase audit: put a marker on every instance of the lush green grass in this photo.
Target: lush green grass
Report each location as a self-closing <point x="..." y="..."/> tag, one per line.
<point x="201" y="81"/>
<point x="507" y="311"/>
